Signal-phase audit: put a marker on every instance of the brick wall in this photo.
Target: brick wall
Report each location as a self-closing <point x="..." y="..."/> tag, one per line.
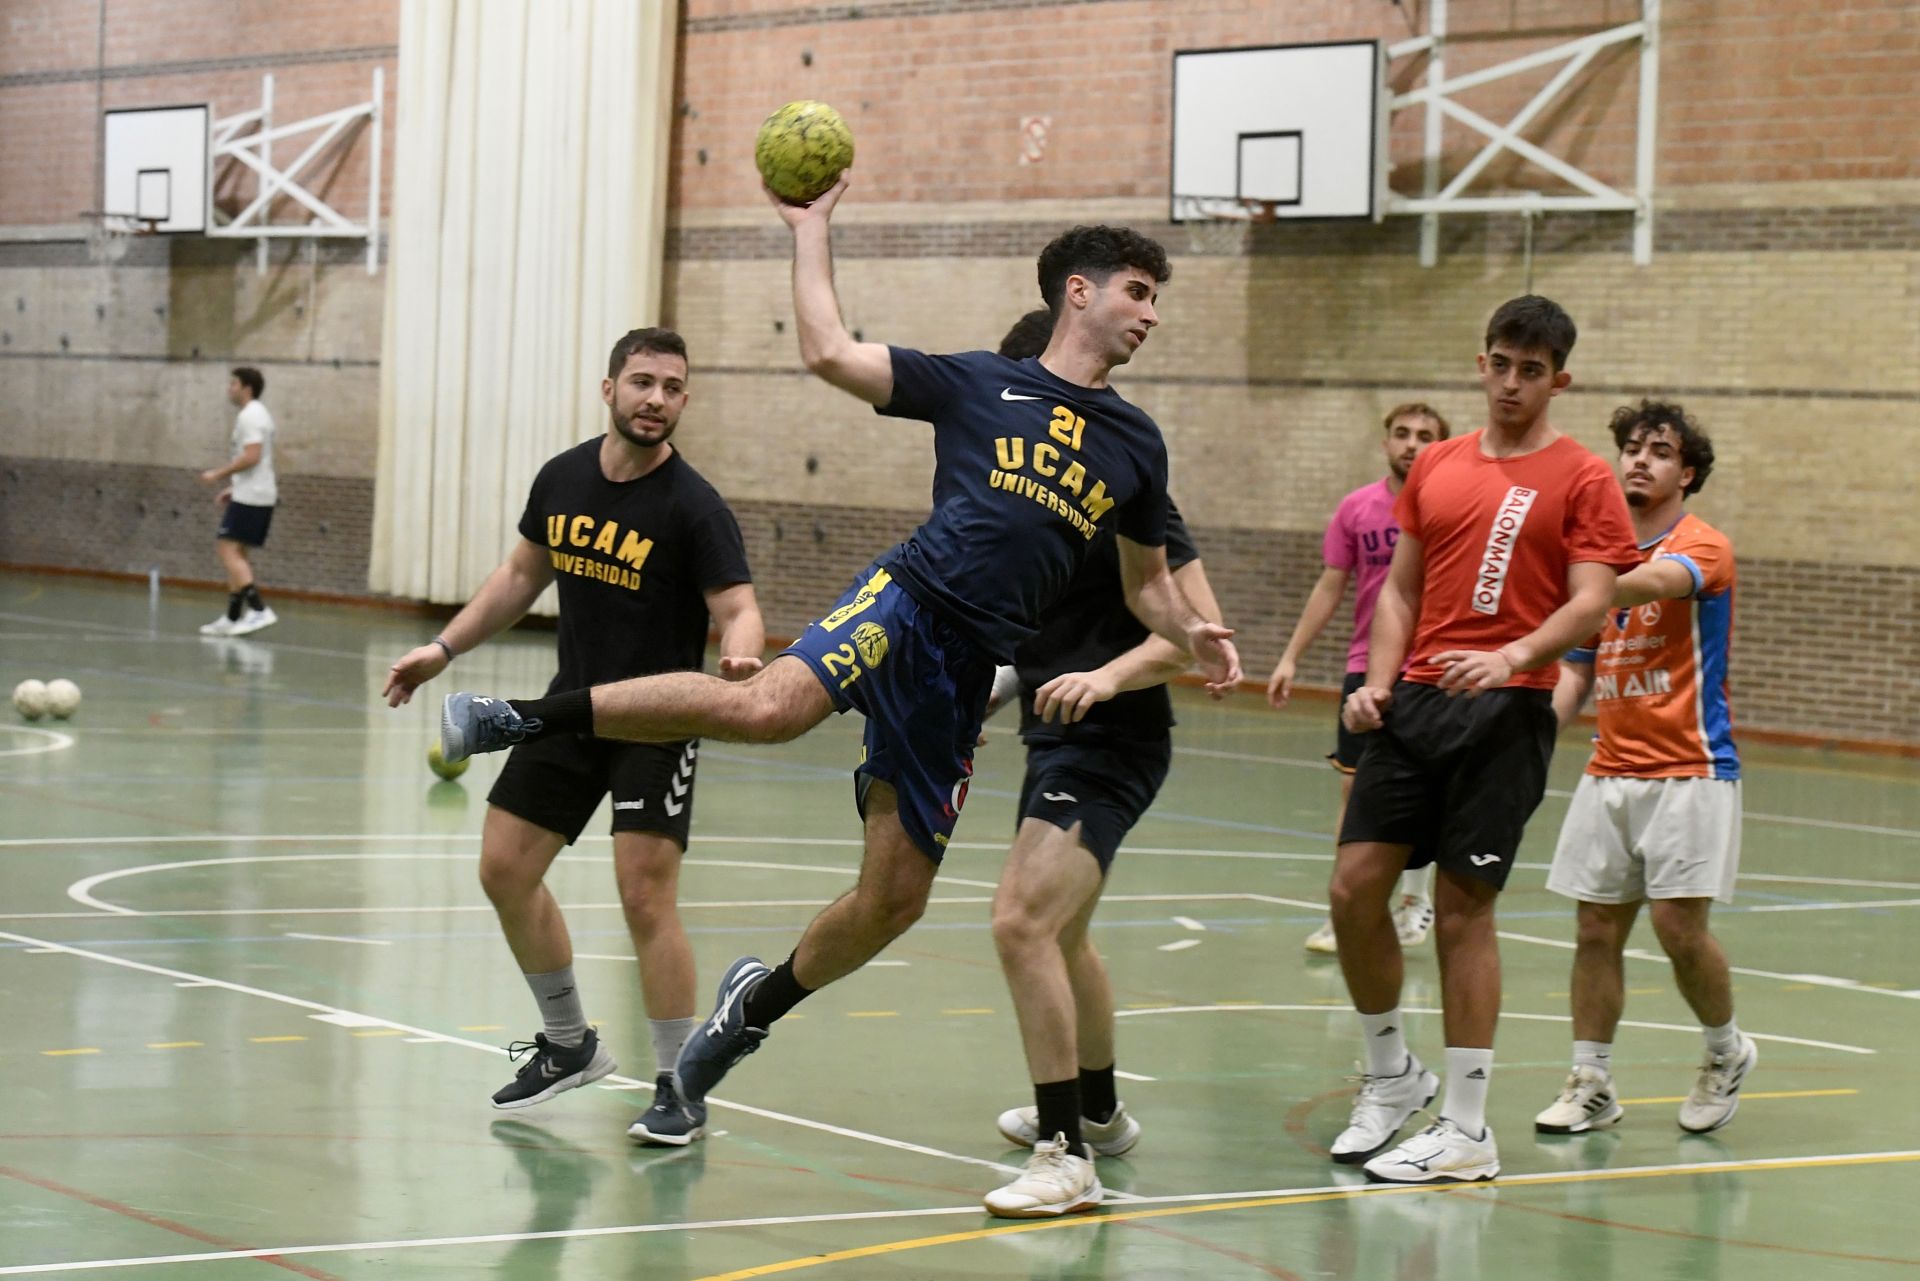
<point x="1780" y="304"/>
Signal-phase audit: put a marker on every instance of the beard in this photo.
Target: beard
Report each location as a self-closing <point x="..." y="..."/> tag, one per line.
<point x="1639" y="498"/>
<point x="638" y="436"/>
<point x="1399" y="468"/>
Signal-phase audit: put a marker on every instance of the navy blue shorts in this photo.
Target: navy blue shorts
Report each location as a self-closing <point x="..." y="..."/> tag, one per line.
<point x="244" y="523"/>
<point x="922" y="687"/>
<point x="1104" y="785"/>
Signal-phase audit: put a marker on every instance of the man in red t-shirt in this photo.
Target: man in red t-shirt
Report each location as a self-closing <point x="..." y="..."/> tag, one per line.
<point x="1511" y="538"/>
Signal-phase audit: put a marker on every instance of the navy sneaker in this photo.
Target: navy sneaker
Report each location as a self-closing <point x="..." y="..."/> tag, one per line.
<point x="669" y="1122"/>
<point x="552" y="1069"/>
<point x="724" y="1039"/>
<point x="474" y="723"/>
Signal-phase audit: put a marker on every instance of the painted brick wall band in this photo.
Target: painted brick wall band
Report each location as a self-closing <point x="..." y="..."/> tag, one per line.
<point x="1825" y="654"/>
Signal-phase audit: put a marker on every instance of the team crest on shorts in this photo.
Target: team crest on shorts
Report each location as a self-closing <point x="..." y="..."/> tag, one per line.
<point x="871" y="640"/>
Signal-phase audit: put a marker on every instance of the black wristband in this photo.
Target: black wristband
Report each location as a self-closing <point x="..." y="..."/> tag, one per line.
<point x="441" y="641"/>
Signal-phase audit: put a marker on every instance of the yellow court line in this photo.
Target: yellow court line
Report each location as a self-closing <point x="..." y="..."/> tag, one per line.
<point x="1306" y="1198"/>
<point x="484" y="1027"/>
<point x="175" y="1045"/>
<point x="274" y="1040"/>
<point x="975" y="1010"/>
<point x="55" y="1054"/>
<point x="873" y="1014"/>
<point x="1762" y="1094"/>
<point x="383" y="1031"/>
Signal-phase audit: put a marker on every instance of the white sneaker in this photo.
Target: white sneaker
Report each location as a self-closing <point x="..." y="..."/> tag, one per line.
<point x="1116" y="1136"/>
<point x="252" y="621"/>
<point x="1587" y="1102"/>
<point x="1412" y="919"/>
<point x="221" y="626"/>
<point x="1715" y="1096"/>
<point x="1322" y="940"/>
<point x="1055" y="1182"/>
<point x="1441" y="1153"/>
<point x="1380" y="1108"/>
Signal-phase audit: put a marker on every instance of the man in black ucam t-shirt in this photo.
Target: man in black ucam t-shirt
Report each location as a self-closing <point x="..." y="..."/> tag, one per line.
<point x="644" y="551"/>
<point x="1032" y="460"/>
<point x="1095" y="718"/>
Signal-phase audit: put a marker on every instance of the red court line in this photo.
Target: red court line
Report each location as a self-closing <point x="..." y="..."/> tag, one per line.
<point x="154" y="1220"/>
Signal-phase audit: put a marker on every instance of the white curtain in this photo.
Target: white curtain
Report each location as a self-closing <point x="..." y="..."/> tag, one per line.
<point x="529" y="217"/>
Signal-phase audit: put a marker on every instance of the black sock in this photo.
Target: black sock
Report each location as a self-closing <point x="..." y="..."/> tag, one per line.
<point x="236" y="605"/>
<point x="773" y="996"/>
<point x="252" y="592"/>
<point x="568" y="713"/>
<point x="1059" y="1104"/>
<point x="1098" y="1101"/>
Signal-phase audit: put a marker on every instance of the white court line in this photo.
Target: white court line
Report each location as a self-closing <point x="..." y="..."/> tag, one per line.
<point x="304" y="1004"/>
<point x="1792" y="820"/>
<point x="1188" y="923"/>
<point x="1834" y="907"/>
<point x="1505" y="1014"/>
<point x="58" y="742"/>
<point x="337" y="938"/>
<point x="1179" y="945"/>
<point x="1818" y="980"/>
<point x="1835" y="1160"/>
<point x="1133" y="1076"/>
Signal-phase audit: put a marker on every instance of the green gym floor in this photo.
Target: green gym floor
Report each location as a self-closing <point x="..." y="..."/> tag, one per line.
<point x="257" y="1000"/>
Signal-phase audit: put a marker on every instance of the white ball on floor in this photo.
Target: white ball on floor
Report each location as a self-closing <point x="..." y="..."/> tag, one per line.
<point x="30" y="699"/>
<point x="63" y="698"/>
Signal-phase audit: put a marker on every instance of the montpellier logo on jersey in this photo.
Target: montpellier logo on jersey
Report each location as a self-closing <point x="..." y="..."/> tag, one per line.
<point x="1491" y="583"/>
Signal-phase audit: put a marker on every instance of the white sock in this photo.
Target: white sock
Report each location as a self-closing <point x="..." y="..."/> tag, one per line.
<point x="560" y="1010"/>
<point x="1414" y="882"/>
<point x="1594" y="1054"/>
<point x="1466" y="1101"/>
<point x="668" y="1036"/>
<point x="1723" y="1040"/>
<point x="1386" y="1043"/>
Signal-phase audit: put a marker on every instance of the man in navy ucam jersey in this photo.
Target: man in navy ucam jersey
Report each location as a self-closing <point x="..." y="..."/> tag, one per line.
<point x="1032" y="459"/>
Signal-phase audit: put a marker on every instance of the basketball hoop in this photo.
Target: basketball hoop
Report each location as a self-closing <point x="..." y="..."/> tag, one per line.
<point x="109" y="236"/>
<point x="1221" y="228"/>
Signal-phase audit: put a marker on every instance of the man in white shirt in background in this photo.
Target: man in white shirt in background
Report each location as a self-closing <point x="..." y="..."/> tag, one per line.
<point x="246" y="505"/>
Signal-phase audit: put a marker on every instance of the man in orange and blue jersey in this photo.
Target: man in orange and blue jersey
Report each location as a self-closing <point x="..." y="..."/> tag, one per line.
<point x="1656" y="816"/>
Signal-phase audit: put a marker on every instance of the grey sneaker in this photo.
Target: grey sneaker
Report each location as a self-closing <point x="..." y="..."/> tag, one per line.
<point x="474" y="723"/>
<point x="552" y="1069"/>
<point x="724" y="1039"/>
<point x="669" y="1122"/>
<point x="1715" y="1096"/>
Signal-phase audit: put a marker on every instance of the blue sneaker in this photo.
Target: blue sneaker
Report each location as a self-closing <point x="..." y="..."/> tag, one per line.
<point x="724" y="1039"/>
<point x="669" y="1122"/>
<point x="472" y="723"/>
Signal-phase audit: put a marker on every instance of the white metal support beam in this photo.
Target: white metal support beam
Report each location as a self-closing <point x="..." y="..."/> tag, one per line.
<point x="1438" y="98"/>
<point x="249" y="137"/>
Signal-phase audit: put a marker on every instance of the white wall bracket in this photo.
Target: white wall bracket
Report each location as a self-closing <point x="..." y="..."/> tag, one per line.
<point x="249" y="137"/>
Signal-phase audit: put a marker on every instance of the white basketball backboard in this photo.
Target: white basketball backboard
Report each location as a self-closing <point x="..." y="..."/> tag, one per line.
<point x="154" y="165"/>
<point x="1293" y="126"/>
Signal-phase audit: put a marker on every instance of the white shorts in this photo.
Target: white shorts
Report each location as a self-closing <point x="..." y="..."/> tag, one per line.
<point x="1628" y="839"/>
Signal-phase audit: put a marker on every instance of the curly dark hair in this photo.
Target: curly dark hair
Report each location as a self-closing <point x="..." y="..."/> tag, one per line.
<point x="1533" y="323"/>
<point x="1096" y="253"/>
<point x="1029" y="336"/>
<point x="1696" y="447"/>
<point x="661" y="342"/>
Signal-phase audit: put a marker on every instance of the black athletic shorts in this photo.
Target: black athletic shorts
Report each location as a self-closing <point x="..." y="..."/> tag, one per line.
<point x="1345" y="755"/>
<point x="1455" y="778"/>
<point x="1104" y="784"/>
<point x="557" y="783"/>
<point x="244" y="523"/>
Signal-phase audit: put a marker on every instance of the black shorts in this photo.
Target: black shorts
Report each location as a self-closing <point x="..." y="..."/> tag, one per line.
<point x="557" y="783"/>
<point x="244" y="523"/>
<point x="1345" y="755"/>
<point x="1455" y="778"/>
<point x="1105" y="785"/>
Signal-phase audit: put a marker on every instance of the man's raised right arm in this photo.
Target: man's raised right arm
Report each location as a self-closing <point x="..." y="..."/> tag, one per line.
<point x="863" y="369"/>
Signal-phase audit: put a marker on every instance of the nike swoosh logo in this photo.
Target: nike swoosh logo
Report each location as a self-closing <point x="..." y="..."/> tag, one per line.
<point x="1007" y="393"/>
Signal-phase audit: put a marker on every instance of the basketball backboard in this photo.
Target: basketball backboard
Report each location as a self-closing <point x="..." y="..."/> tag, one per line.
<point x="154" y="167"/>
<point x="1291" y="128"/>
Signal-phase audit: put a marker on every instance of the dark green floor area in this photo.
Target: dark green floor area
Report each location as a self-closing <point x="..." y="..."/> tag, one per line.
<point x="256" y="996"/>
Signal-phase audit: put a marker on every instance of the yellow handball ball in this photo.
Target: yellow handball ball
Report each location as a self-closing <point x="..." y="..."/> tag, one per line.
<point x="801" y="150"/>
<point x="438" y="763"/>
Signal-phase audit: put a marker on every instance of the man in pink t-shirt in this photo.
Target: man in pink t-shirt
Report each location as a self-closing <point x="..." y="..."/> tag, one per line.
<point x="1359" y="542"/>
